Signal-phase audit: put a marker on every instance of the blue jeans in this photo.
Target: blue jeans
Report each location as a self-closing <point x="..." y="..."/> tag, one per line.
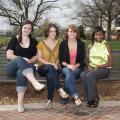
<point x="52" y="79"/>
<point x="16" y="67"/>
<point x="70" y="80"/>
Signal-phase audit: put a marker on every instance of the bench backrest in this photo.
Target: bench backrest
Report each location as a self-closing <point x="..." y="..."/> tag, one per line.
<point x="114" y="74"/>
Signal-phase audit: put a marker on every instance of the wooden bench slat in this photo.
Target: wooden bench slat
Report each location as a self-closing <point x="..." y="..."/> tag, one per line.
<point x="114" y="74"/>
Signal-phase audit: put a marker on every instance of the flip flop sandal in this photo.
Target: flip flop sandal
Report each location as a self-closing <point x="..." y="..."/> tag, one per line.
<point x="77" y="101"/>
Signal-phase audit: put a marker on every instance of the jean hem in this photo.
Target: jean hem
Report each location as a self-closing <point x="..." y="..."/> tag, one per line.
<point x="21" y="88"/>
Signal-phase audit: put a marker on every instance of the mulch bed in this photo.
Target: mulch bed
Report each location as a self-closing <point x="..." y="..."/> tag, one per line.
<point x="8" y="95"/>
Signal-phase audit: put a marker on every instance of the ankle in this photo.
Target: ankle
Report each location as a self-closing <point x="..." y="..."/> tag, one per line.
<point x="76" y="97"/>
<point x="49" y="104"/>
<point x="21" y="108"/>
<point x="60" y="89"/>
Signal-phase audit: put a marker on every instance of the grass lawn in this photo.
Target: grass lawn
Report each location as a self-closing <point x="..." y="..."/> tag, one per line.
<point x="114" y="44"/>
<point x="4" y="40"/>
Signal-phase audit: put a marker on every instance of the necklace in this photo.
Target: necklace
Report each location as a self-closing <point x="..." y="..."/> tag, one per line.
<point x="50" y="43"/>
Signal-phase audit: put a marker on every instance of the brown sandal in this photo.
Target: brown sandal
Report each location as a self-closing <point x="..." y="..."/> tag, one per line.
<point x="77" y="101"/>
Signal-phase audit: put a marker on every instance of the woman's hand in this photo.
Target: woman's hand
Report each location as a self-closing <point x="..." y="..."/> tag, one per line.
<point x="55" y="66"/>
<point x="26" y="59"/>
<point x="73" y="67"/>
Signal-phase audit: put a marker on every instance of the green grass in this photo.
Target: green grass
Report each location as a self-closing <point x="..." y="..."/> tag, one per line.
<point x="4" y="40"/>
<point x="114" y="44"/>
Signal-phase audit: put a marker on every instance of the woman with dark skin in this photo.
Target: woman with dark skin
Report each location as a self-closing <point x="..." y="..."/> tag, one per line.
<point x="99" y="62"/>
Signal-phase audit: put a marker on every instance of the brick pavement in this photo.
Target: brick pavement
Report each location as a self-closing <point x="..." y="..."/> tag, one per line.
<point x="39" y="112"/>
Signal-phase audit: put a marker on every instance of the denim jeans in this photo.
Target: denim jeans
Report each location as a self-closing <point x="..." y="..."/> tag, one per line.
<point x="89" y="78"/>
<point x="52" y="79"/>
<point x="16" y="67"/>
<point x="70" y="80"/>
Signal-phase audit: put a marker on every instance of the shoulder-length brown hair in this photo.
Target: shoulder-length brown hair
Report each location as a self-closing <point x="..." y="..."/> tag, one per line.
<point x="74" y="28"/>
<point x="46" y="32"/>
<point x="20" y="30"/>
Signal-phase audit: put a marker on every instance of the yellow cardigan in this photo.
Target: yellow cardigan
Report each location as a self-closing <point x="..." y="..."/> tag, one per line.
<point x="47" y="54"/>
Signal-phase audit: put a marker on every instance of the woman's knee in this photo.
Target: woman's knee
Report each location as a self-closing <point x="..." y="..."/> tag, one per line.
<point x="67" y="71"/>
<point x="90" y="75"/>
<point x="18" y="58"/>
<point x="11" y="70"/>
<point x="49" y="67"/>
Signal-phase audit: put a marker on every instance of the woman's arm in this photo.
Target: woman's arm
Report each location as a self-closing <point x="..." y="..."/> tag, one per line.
<point x="33" y="59"/>
<point x="10" y="54"/>
<point x="82" y="54"/>
<point x="87" y="55"/>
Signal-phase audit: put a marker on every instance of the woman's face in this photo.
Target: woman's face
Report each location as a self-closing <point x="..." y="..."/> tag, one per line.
<point x="99" y="36"/>
<point x="52" y="33"/>
<point x="71" y="34"/>
<point x="26" y="29"/>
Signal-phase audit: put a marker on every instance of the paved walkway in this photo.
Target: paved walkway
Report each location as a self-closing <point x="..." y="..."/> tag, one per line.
<point x="107" y="110"/>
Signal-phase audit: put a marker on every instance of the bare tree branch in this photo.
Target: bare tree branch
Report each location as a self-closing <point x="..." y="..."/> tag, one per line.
<point x="18" y="10"/>
<point x="99" y="10"/>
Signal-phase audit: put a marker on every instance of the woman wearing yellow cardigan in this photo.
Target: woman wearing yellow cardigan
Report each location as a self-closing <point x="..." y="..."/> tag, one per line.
<point x="99" y="62"/>
<point x="48" y="50"/>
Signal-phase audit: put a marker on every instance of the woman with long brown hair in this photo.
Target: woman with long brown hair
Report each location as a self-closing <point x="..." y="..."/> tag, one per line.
<point x="22" y="54"/>
<point x="48" y="50"/>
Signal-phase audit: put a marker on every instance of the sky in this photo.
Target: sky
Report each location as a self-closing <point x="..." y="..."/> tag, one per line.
<point x="62" y="17"/>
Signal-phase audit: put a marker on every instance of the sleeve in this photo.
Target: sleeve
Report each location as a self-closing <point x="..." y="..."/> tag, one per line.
<point x="82" y="54"/>
<point x="60" y="53"/>
<point x="39" y="46"/>
<point x="35" y="47"/>
<point x="12" y="43"/>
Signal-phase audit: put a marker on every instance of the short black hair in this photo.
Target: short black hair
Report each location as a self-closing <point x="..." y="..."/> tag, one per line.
<point x="97" y="29"/>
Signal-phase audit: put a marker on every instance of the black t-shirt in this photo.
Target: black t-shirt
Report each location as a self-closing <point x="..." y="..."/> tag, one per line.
<point x="20" y="51"/>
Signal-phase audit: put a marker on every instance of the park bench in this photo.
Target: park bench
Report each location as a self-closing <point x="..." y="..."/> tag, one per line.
<point x="3" y="75"/>
<point x="114" y="74"/>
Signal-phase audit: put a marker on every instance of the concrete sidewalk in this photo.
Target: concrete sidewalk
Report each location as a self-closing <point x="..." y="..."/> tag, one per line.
<point x="107" y="110"/>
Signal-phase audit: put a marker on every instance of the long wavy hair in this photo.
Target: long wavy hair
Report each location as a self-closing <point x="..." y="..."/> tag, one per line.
<point x="20" y="30"/>
<point x="46" y="31"/>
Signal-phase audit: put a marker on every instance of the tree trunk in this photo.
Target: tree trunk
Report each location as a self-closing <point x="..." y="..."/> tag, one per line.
<point x="108" y="29"/>
<point x="26" y="13"/>
<point x="100" y="20"/>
